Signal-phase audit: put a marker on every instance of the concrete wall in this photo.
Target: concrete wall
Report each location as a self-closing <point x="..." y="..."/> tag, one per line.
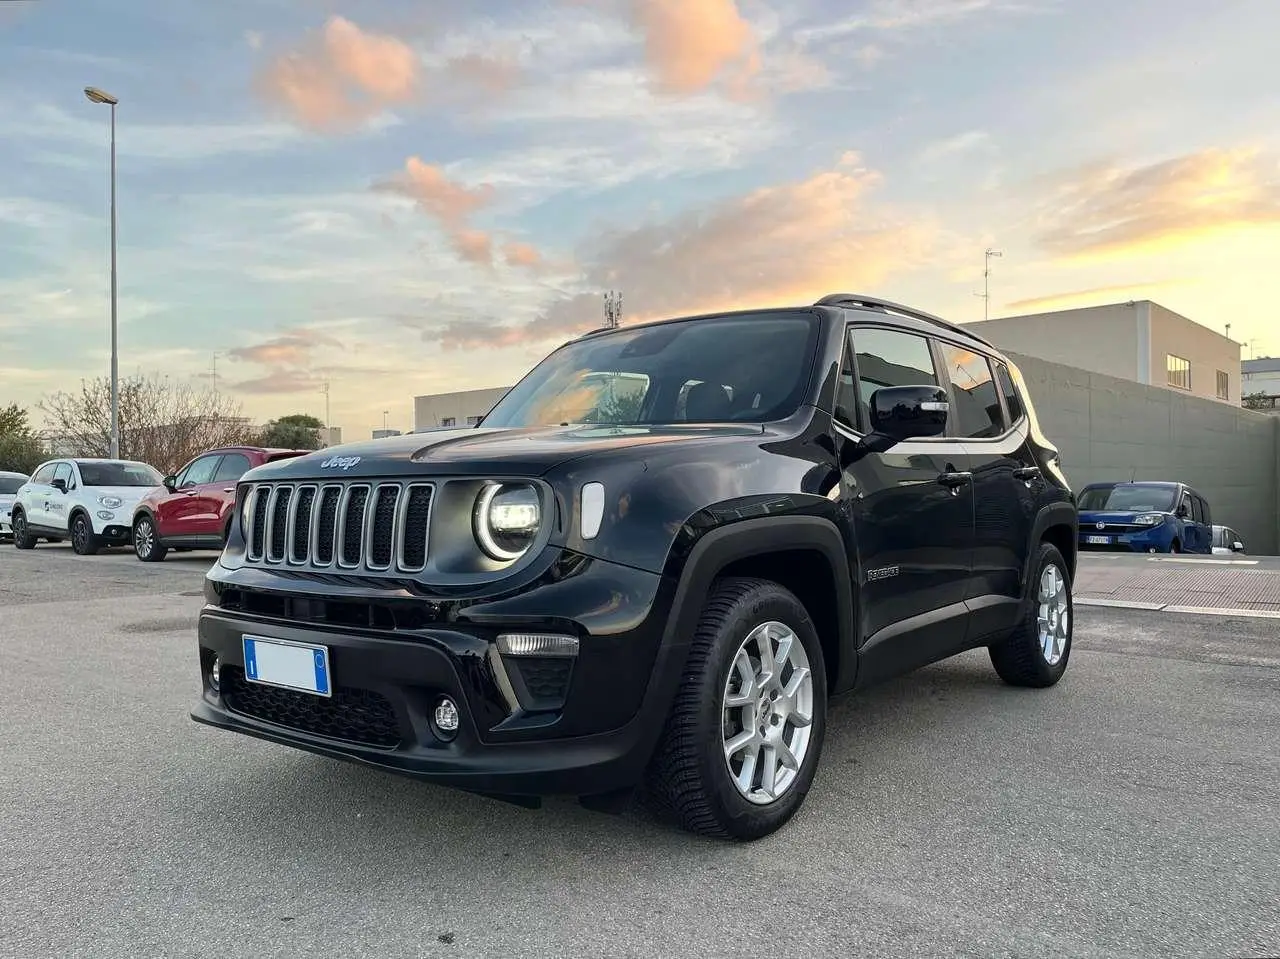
<point x="429" y="411"/>
<point x="1109" y="428"/>
<point x="1208" y="351"/>
<point x="1101" y="338"/>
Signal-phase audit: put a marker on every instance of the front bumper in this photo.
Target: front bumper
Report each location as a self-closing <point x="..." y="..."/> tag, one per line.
<point x="112" y="524"/>
<point x="526" y="729"/>
<point x="1126" y="539"/>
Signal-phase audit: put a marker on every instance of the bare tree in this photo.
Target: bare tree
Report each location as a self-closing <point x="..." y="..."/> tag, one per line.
<point x="163" y="421"/>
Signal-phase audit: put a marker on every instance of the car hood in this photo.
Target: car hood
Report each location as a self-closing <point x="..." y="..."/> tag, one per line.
<point x="525" y="452"/>
<point x="129" y="494"/>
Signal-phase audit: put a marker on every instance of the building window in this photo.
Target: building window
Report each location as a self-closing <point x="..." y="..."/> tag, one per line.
<point x="448" y="421"/>
<point x="1179" y="371"/>
<point x="1224" y="386"/>
<point x="473" y="420"/>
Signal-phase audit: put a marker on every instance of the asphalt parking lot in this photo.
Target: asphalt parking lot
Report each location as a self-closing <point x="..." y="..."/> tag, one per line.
<point x="1133" y="810"/>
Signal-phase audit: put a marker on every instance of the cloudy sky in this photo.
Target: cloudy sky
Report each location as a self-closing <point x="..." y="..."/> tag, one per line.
<point x="409" y="196"/>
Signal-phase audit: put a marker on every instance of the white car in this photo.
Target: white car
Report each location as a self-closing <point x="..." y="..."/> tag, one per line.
<point x="1226" y="541"/>
<point x="90" y="501"/>
<point x="10" y="483"/>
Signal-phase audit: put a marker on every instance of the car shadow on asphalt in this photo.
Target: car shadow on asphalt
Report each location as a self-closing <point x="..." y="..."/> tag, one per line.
<point x="324" y="810"/>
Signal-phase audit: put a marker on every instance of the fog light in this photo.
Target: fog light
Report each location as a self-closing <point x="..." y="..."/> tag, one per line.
<point x="447" y="718"/>
<point x="537" y="644"/>
<point x="215" y="674"/>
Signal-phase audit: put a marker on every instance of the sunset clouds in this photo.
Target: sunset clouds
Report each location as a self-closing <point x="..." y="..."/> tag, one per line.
<point x="341" y="77"/>
<point x="400" y="197"/>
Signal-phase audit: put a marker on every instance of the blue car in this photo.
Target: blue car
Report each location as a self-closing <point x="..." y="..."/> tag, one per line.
<point x="1144" y="517"/>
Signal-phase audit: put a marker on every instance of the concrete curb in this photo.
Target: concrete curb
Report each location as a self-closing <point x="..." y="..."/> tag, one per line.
<point x="1170" y="608"/>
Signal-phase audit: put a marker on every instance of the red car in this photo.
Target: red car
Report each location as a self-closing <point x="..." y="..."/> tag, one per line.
<point x="193" y="509"/>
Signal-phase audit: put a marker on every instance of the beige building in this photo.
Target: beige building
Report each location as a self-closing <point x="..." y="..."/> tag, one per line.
<point x="1139" y="340"/>
<point x="454" y="409"/>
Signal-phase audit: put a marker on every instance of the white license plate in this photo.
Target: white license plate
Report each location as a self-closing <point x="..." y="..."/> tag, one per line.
<point x="1102" y="540"/>
<point x="277" y="662"/>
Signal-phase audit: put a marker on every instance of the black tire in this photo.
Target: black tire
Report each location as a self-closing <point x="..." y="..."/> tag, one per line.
<point x="688" y="778"/>
<point x="1175" y="547"/>
<point x="22" y="537"/>
<point x="83" y="541"/>
<point x="147" y="546"/>
<point x="1020" y="659"/>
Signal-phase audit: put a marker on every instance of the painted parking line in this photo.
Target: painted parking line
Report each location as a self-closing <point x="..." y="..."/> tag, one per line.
<point x="1167" y="608"/>
<point x="1196" y="559"/>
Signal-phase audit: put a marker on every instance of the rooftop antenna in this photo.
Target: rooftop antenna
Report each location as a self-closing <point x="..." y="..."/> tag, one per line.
<point x="986" y="281"/>
<point x="612" y="309"/>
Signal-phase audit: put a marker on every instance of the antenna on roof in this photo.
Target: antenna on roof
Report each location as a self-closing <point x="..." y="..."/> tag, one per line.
<point x="612" y="309"/>
<point x="1133" y="473"/>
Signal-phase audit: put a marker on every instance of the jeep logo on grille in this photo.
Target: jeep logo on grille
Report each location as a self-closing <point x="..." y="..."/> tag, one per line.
<point x="340" y="462"/>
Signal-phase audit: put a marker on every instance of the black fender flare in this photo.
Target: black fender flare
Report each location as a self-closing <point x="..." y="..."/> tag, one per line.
<point x="1061" y="513"/>
<point x="743" y="539"/>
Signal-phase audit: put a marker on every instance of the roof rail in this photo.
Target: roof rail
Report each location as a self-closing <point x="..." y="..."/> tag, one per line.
<point x="888" y="306"/>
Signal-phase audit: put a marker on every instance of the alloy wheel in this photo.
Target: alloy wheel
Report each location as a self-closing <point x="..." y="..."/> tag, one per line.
<point x="143" y="538"/>
<point x="767" y="713"/>
<point x="79" y="534"/>
<point x="1054" y="617"/>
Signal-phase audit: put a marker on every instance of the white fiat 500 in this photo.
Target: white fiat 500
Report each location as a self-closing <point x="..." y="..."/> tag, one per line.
<point x="89" y="501"/>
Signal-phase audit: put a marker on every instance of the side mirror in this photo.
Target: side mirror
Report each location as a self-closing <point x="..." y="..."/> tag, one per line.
<point x="59" y="484"/>
<point x="907" y="412"/>
<point x="1237" y="547"/>
<point x="1181" y="512"/>
<point x="170" y="482"/>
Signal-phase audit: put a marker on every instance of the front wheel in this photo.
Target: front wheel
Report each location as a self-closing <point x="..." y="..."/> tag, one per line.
<point x="82" y="539"/>
<point x="22" y="537"/>
<point x="745" y="732"/>
<point x="1036" y="652"/>
<point x="146" y="544"/>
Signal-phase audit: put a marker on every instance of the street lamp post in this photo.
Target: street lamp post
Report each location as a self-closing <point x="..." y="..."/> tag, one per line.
<point x="101" y="96"/>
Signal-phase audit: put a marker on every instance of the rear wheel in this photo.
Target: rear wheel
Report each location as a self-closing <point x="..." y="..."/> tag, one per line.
<point x="83" y="541"/>
<point x="22" y="537"/>
<point x="146" y="543"/>
<point x="1036" y="652"/>
<point x="745" y="732"/>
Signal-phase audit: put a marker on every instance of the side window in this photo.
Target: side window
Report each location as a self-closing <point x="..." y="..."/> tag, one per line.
<point x="977" y="412"/>
<point x="1186" y="506"/>
<point x="63" y="472"/>
<point x="890" y="358"/>
<point x="232" y="467"/>
<point x="44" y="474"/>
<point x="846" y="412"/>
<point x="199" y="472"/>
<point x="1011" y="398"/>
<point x="1205" y="515"/>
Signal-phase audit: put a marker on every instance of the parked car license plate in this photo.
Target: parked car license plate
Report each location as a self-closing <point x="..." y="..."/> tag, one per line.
<point x="289" y="665"/>
<point x="1102" y="540"/>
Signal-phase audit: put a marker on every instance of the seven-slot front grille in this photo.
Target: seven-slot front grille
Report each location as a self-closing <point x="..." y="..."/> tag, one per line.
<point x="374" y="526"/>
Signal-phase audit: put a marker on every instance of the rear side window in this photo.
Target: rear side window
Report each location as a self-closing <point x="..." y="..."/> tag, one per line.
<point x="977" y="414"/>
<point x="1010" y="393"/>
<point x="232" y="467"/>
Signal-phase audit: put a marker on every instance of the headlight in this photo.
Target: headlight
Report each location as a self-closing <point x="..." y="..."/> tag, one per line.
<point x="245" y="519"/>
<point x="1149" y="519"/>
<point x="507" y="519"/>
<point x="110" y="502"/>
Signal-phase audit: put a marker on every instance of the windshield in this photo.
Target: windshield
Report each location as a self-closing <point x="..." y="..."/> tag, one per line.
<point x="118" y="474"/>
<point x="1128" y="498"/>
<point x="742" y="369"/>
<point x="10" y="484"/>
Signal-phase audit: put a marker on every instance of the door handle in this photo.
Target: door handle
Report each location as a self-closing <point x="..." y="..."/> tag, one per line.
<point x="954" y="480"/>
<point x="188" y="492"/>
<point x="228" y="489"/>
<point x="1026" y="472"/>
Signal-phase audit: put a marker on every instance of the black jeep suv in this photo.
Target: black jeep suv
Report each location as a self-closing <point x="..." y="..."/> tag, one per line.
<point x="652" y="563"/>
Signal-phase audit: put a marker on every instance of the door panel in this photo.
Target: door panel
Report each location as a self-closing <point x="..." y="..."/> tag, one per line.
<point x="914" y="525"/>
<point x="183" y="509"/>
